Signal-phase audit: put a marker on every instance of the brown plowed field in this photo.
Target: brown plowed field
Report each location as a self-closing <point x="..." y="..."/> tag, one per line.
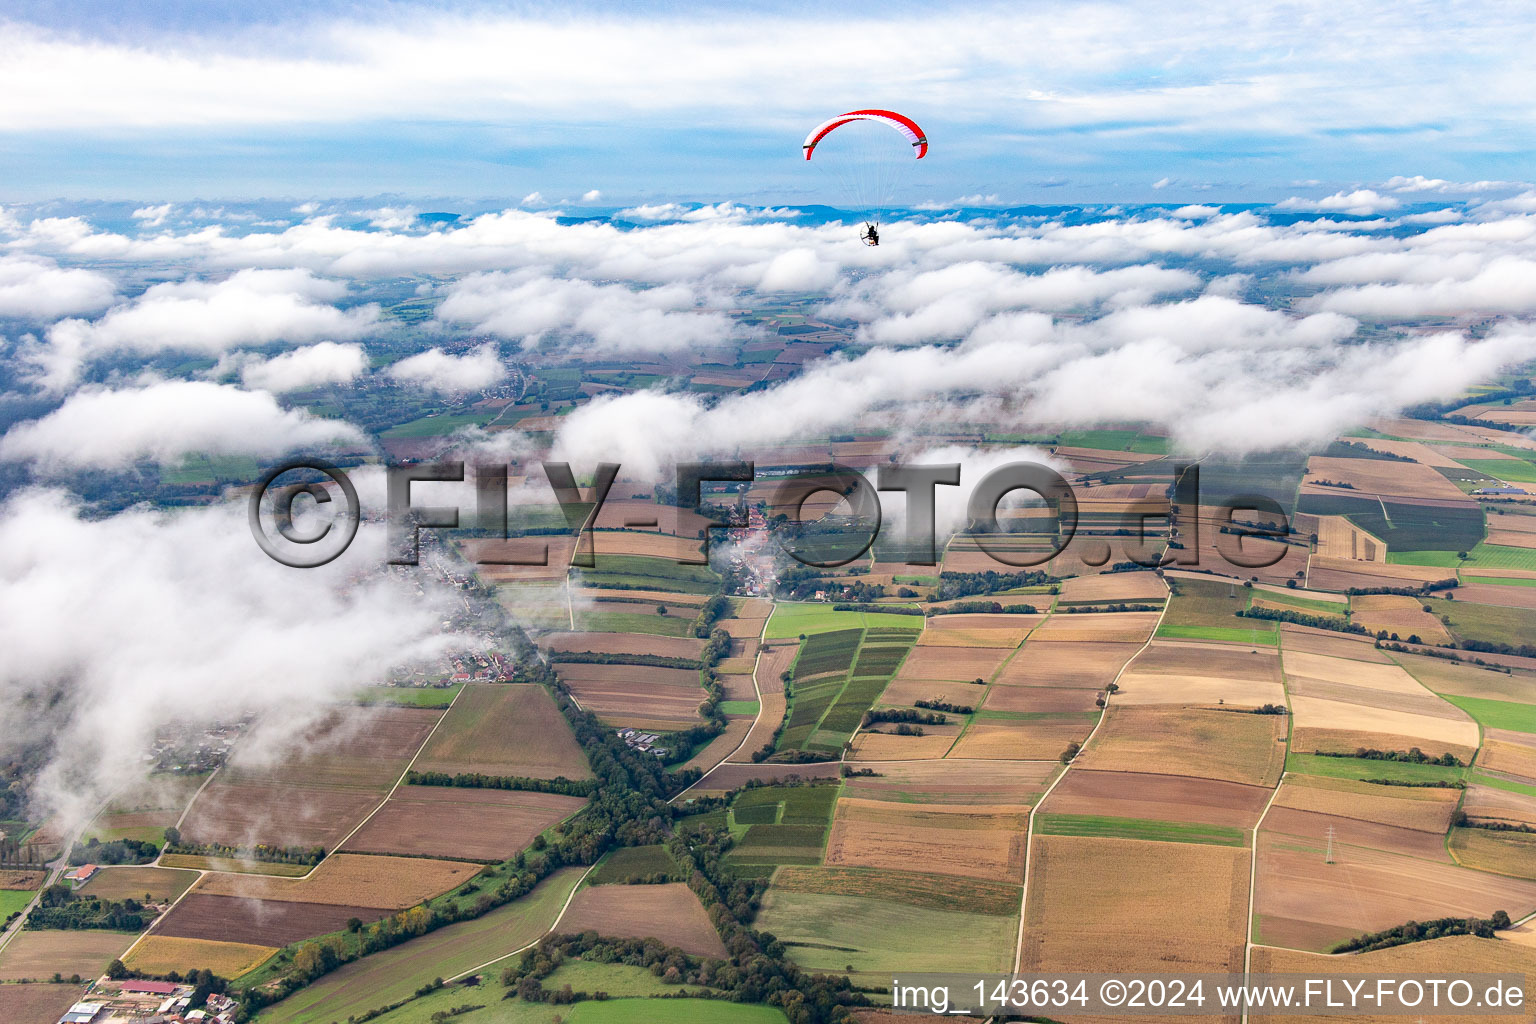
<point x="624" y="643"/>
<point x="1306" y="740"/>
<point x="554" y="551"/>
<point x="347" y="766"/>
<point x="736" y="729"/>
<point x="259" y="922"/>
<point x="1169" y="672"/>
<point x="649" y="544"/>
<point x="1039" y="699"/>
<point x="1462" y="680"/>
<point x="480" y="824"/>
<point x="773" y="662"/>
<point x="1203" y="743"/>
<point x="505" y="729"/>
<point x="1158" y="797"/>
<point x="877" y="746"/>
<point x="39" y="954"/>
<point x="1437" y="958"/>
<point x="961" y="664"/>
<point x="1398" y="613"/>
<point x="1511" y="752"/>
<point x="37" y="1004"/>
<point x="1077" y="921"/>
<point x="738" y="687"/>
<point x="770" y="713"/>
<point x="1310" y="641"/>
<point x="1123" y="627"/>
<point x="1305" y="903"/>
<point x="671" y="913"/>
<point x="1006" y="639"/>
<point x="350" y="880"/>
<point x="974" y="842"/>
<point x="635" y="694"/>
<point x="1419" y="703"/>
<point x="1379" y="476"/>
<point x="1084" y="664"/>
<point x="1310" y="825"/>
<point x="955" y="782"/>
<point x="123" y="882"/>
<point x="1115" y="586"/>
<point x="1487" y="802"/>
<point x="904" y="692"/>
<point x="1023" y="739"/>
<point x="1426" y="809"/>
<point x="985" y="620"/>
<point x="666" y="597"/>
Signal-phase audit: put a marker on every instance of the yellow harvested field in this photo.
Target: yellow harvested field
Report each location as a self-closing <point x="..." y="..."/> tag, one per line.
<point x="1171" y="906"/>
<point x="1489" y="803"/>
<point x="1455" y="954"/>
<point x="635" y="542"/>
<point x="1387" y="677"/>
<point x="1503" y="853"/>
<point x="1116" y="586"/>
<point x="1317" y="714"/>
<point x="350" y="879"/>
<point x="883" y="746"/>
<point x="1513" y="753"/>
<point x="1171" y="672"/>
<point x="162" y="954"/>
<point x="504" y="729"/>
<point x="1041" y="698"/>
<point x="1512" y="538"/>
<point x="1462" y="680"/>
<point x="38" y="955"/>
<point x="773" y="661"/>
<point x="1425" y="809"/>
<point x="1337" y="537"/>
<point x="972" y="841"/>
<point x="1401" y="614"/>
<point x="1091" y="627"/>
<point x="1198" y="742"/>
<point x="1004" y="638"/>
<point x="1023" y="739"/>
<point x="722" y="746"/>
<point x="986" y="620"/>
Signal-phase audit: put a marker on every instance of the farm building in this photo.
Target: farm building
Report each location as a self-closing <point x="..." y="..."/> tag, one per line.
<point x="81" y="874"/>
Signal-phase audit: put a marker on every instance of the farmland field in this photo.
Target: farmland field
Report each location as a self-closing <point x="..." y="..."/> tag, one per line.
<point x="396" y="973"/>
<point x="1225" y="745"/>
<point x="504" y="729"/>
<point x="974" y="842"/>
<point x="36" y="1004"/>
<point x="878" y="937"/>
<point x="38" y="955"/>
<point x="1308" y="763"/>
<point x="1075" y="923"/>
<point x="1503" y="853"/>
<point x="259" y="922"/>
<point x="630" y="862"/>
<point x="117" y="883"/>
<point x="15" y="900"/>
<point x="1025" y="736"/>
<point x="1427" y="809"/>
<point x="350" y="879"/>
<point x="479" y="824"/>
<point x="160" y="954"/>
<point x="791" y="620"/>
<point x="1159" y="797"/>
<point x="1499" y="714"/>
<point x="1138" y="828"/>
<point x="671" y="913"/>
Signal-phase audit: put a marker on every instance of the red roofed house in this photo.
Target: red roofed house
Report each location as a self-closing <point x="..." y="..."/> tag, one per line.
<point x="80" y="874"/>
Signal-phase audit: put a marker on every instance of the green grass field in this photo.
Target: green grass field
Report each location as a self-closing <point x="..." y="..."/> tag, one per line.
<point x="633" y="862"/>
<point x="1114" y="441"/>
<point x="1139" y="828"/>
<point x="1512" y="626"/>
<point x="1498" y="714"/>
<point x="1484" y="555"/>
<point x="618" y="980"/>
<point x="791" y="620"/>
<point x="1303" y="604"/>
<point x="1360" y="768"/>
<point x="877" y="938"/>
<point x="413" y="696"/>
<point x="635" y="622"/>
<point x="13" y="900"/>
<point x="1266" y="633"/>
<point x="1508" y="785"/>
<point x="739" y="707"/>
<point x="434" y="426"/>
<point x="1510" y="470"/>
<point x="396" y="973"/>
<point x="1497" y="581"/>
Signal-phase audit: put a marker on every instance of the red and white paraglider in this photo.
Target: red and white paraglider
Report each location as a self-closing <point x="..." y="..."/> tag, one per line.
<point x="860" y="152"/>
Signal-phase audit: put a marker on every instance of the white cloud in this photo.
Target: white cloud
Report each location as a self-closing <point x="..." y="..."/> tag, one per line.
<point x="533" y="199"/>
<point x="196" y="624"/>
<point x="328" y="362"/>
<point x="1362" y="202"/>
<point x="38" y="289"/>
<point x="101" y="428"/>
<point x="591" y="195"/>
<point x="439" y="371"/>
<point x="153" y="216"/>
<point x="1419" y="183"/>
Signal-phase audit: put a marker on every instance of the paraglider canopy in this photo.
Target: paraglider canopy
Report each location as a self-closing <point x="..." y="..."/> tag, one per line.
<point x="861" y="154"/>
<point x="901" y="122"/>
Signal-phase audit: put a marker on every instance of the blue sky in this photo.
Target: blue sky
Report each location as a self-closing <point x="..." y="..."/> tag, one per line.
<point x="1030" y="103"/>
